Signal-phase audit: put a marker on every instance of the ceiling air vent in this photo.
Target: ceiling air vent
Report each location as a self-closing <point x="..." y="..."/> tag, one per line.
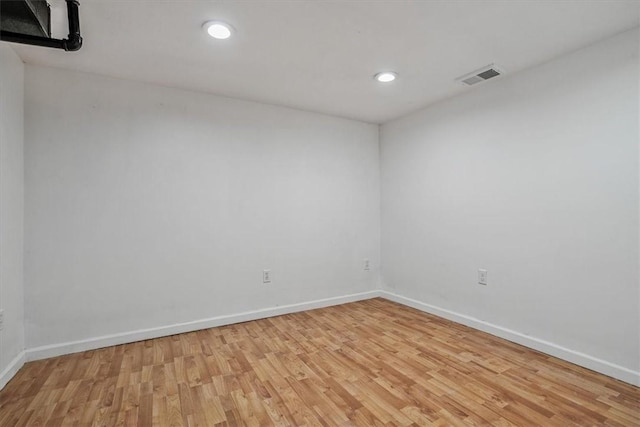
<point x="480" y="75"/>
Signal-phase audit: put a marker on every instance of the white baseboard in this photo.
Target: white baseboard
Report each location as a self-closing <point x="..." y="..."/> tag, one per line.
<point x="585" y="360"/>
<point x="11" y="369"/>
<point x="581" y="359"/>
<point x="54" y="350"/>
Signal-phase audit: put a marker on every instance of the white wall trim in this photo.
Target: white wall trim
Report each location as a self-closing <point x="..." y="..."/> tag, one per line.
<point x="573" y="356"/>
<point x="12" y="369"/>
<point x="54" y="350"/>
<point x="581" y="359"/>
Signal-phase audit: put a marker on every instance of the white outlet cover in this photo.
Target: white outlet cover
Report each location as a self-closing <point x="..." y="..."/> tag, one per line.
<point x="482" y="276"/>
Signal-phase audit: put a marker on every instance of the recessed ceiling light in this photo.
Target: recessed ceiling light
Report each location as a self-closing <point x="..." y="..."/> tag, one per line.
<point x="218" y="29"/>
<point x="386" y="76"/>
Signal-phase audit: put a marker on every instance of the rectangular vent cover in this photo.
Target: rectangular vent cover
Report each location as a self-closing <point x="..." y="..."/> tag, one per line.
<point x="480" y="75"/>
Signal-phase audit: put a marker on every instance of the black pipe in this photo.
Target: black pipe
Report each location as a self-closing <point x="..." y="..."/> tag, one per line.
<point x="9" y="36"/>
<point x="73" y="41"/>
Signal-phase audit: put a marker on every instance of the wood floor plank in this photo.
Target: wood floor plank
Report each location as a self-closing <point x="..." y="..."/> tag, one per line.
<point x="369" y="363"/>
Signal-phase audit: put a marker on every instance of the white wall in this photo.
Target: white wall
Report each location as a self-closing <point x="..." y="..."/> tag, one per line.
<point x="148" y="206"/>
<point x="535" y="178"/>
<point x="11" y="212"/>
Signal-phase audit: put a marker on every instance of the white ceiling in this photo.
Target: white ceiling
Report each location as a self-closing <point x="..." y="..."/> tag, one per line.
<point x="320" y="55"/>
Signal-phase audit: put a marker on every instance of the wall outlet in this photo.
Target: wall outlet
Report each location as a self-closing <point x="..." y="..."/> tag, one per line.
<point x="266" y="276"/>
<point x="366" y="264"/>
<point x="1" y="320"/>
<point x="482" y="276"/>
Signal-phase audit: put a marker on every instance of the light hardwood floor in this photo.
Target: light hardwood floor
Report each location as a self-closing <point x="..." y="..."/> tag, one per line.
<point x="367" y="363"/>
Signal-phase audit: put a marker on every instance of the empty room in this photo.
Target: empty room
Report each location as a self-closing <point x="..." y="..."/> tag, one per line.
<point x="319" y="213"/>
